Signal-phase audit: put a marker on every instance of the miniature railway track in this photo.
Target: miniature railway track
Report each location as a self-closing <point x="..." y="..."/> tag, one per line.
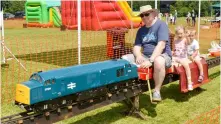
<point x="64" y="112"/>
<point x="213" y="62"/>
<point x="67" y="111"/>
<point x="18" y="118"/>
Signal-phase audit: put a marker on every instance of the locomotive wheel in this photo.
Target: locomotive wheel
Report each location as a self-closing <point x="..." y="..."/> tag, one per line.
<point x="38" y="109"/>
<point x="53" y="106"/>
<point x="69" y="102"/>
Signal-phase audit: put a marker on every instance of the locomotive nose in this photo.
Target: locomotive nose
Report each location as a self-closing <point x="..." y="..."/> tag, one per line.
<point x="22" y="94"/>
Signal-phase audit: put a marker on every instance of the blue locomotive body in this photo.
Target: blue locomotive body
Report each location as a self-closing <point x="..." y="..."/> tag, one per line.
<point x="49" y="85"/>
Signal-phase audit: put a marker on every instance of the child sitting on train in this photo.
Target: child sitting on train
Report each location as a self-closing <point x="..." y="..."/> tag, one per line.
<point x="180" y="52"/>
<point x="193" y="53"/>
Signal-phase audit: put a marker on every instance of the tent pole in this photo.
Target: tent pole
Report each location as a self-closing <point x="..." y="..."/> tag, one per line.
<point x="2" y="37"/>
<point x="131" y="22"/>
<point x="199" y="20"/>
<point x="155" y="4"/>
<point x="79" y="31"/>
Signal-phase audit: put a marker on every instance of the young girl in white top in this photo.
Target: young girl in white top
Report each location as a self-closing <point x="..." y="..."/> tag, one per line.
<point x="171" y="18"/>
<point x="193" y="53"/>
<point x="180" y="52"/>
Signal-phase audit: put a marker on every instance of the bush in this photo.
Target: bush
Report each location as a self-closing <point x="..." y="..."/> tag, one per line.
<point x="183" y="12"/>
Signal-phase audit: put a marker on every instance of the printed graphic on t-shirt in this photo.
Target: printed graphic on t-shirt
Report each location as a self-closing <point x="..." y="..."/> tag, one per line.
<point x="190" y="50"/>
<point x="180" y="51"/>
<point x="150" y="37"/>
<point x="193" y="47"/>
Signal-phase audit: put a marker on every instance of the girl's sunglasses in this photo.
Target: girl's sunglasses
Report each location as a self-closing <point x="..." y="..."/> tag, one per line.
<point x="145" y="14"/>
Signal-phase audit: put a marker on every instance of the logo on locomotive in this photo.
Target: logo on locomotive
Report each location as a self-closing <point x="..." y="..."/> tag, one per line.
<point x="71" y="85"/>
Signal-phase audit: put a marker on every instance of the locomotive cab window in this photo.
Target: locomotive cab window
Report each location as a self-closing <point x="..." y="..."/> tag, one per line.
<point x="47" y="82"/>
<point x="36" y="77"/>
<point x="120" y="72"/>
<point x="128" y="65"/>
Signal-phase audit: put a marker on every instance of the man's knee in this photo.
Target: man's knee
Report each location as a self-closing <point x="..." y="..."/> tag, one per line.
<point x="129" y="57"/>
<point x="159" y="63"/>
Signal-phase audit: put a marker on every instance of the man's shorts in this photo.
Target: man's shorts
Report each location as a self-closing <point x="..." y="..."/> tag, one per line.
<point x="168" y="60"/>
<point x="131" y="59"/>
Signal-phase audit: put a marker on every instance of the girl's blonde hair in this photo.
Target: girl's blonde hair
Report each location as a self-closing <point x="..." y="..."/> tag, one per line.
<point x="193" y="31"/>
<point x="179" y="28"/>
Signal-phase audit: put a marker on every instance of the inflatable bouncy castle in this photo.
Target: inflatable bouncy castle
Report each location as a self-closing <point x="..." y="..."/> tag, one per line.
<point x="43" y="13"/>
<point x="95" y="15"/>
<point x="99" y="15"/>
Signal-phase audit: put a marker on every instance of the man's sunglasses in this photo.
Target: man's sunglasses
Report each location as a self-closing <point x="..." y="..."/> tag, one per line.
<point x="145" y="14"/>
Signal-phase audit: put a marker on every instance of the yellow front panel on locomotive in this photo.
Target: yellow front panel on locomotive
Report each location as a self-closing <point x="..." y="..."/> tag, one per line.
<point x="22" y="94"/>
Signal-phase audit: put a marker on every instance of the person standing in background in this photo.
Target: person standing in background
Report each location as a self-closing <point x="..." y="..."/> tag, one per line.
<point x="160" y="15"/>
<point x="171" y="19"/>
<point x="175" y="17"/>
<point x="167" y="18"/>
<point x="193" y="15"/>
<point x="188" y="18"/>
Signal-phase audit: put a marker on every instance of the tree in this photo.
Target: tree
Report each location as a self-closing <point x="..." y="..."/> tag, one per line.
<point x="138" y="4"/>
<point x="172" y="9"/>
<point x="5" y="4"/>
<point x="18" y="6"/>
<point x="13" y="6"/>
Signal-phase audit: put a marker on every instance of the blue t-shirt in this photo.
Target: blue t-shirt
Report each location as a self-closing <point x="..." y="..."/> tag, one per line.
<point x="149" y="37"/>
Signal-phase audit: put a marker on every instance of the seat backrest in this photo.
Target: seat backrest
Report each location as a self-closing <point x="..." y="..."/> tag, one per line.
<point x="171" y="36"/>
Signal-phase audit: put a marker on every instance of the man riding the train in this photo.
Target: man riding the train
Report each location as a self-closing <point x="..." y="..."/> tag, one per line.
<point x="152" y="47"/>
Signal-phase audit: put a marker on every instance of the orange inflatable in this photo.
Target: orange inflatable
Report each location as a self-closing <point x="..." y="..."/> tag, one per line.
<point x="95" y="15"/>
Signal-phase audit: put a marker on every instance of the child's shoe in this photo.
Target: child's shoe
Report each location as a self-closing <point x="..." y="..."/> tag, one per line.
<point x="200" y="79"/>
<point x="190" y="87"/>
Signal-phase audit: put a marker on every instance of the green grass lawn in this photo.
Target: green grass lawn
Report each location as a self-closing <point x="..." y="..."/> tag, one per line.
<point x="44" y="49"/>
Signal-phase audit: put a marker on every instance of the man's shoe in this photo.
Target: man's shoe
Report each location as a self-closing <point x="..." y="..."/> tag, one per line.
<point x="156" y="97"/>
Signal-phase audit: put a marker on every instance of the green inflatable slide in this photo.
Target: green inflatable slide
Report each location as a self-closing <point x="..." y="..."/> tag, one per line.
<point x="55" y="16"/>
<point x="43" y="12"/>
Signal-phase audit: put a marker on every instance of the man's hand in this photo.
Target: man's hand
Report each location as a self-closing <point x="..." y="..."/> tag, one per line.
<point x="140" y="60"/>
<point x="191" y="58"/>
<point x="146" y="64"/>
